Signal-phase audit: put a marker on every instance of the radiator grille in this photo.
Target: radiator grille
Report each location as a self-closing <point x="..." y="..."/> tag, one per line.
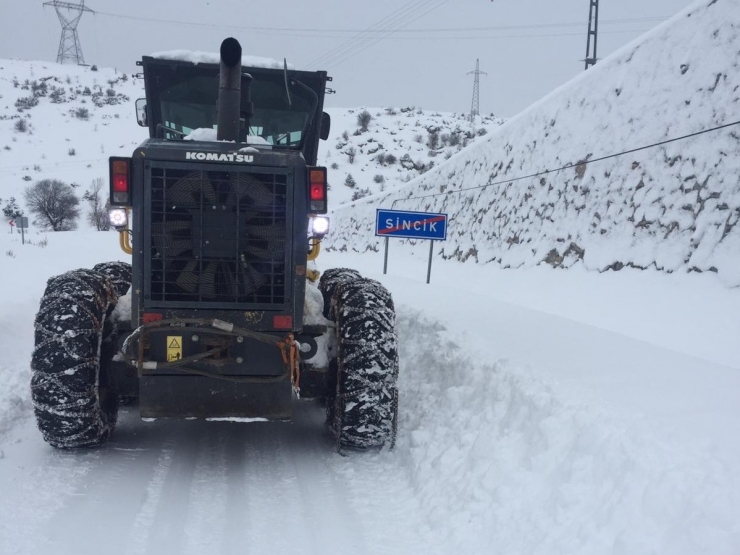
<point x="218" y="237"/>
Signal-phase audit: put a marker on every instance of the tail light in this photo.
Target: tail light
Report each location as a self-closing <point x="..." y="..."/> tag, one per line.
<point x="120" y="181"/>
<point x="317" y="191"/>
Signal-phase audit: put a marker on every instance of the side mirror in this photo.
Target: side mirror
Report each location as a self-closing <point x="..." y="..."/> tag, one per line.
<point x="325" y="126"/>
<point x="141" y="112"/>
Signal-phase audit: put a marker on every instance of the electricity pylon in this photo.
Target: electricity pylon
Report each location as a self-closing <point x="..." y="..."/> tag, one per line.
<point x="593" y="31"/>
<point x="475" y="106"/>
<point x="69" y="15"/>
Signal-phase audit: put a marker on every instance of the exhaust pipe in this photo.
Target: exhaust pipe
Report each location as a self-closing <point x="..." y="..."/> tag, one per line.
<point x="229" y="90"/>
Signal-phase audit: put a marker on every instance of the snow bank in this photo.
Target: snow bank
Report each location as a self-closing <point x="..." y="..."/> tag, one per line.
<point x="497" y="459"/>
<point x="673" y="207"/>
<point x="197" y="57"/>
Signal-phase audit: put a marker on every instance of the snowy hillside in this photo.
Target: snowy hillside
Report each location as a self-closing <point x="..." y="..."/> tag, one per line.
<point x="672" y="207"/>
<point x="63" y="122"/>
<point x="398" y="145"/>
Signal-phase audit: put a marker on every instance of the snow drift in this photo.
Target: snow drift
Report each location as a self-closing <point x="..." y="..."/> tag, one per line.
<point x="673" y="207"/>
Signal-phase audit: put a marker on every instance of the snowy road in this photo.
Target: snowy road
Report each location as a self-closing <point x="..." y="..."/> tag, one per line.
<point x="542" y="412"/>
<point x="206" y="487"/>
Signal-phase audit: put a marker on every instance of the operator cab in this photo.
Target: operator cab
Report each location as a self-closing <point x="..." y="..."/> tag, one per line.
<point x="183" y="97"/>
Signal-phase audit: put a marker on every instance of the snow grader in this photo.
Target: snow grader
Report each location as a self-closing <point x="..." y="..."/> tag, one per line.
<point x="221" y="313"/>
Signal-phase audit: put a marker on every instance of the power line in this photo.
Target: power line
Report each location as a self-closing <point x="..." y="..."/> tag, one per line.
<point x="323" y="32"/>
<point x="573" y="165"/>
<point x="350" y="55"/>
<point x="363" y="35"/>
<point x="400" y="23"/>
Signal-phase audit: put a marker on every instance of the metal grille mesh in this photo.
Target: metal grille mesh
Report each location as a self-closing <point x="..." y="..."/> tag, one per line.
<point x="218" y="237"/>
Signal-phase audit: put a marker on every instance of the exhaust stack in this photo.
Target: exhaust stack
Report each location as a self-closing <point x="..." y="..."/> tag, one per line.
<point x="229" y="90"/>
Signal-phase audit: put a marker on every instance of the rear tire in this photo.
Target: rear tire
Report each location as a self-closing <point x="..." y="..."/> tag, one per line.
<point x="74" y="400"/>
<point x="364" y="409"/>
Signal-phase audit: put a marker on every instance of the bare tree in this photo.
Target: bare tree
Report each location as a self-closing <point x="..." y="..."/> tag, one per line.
<point x="98" y="215"/>
<point x="54" y="203"/>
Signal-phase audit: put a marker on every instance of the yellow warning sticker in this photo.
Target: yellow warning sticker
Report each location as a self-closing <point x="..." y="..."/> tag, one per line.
<point x="174" y="348"/>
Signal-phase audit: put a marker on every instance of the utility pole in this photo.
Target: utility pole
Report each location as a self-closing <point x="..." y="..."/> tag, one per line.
<point x="593" y="31"/>
<point x="475" y="106"/>
<point x="69" y="15"/>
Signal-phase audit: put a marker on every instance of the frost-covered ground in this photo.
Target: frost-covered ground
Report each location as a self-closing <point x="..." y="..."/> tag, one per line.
<point x="542" y="411"/>
<point x="673" y="208"/>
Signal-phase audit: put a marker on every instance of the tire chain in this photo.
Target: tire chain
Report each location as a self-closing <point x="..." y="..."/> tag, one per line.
<point x="364" y="410"/>
<point x="66" y="358"/>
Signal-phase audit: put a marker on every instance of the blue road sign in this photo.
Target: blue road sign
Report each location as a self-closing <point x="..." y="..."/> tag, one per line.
<point x="411" y="225"/>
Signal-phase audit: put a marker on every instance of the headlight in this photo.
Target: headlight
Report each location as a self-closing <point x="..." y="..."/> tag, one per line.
<point x="117" y="217"/>
<point x="319" y="226"/>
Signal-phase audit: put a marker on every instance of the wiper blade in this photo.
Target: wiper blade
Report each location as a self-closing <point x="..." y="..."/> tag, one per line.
<point x="285" y="76"/>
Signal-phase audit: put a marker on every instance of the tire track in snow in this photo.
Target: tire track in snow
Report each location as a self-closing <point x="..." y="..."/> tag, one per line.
<point x="205" y="522"/>
<point x="139" y="535"/>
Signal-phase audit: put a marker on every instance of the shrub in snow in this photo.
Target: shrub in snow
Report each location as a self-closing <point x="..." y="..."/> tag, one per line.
<point x="379" y="179"/>
<point x="110" y="92"/>
<point x="390" y="112"/>
<point x="345" y="136"/>
<point x="390" y="159"/>
<point x="351" y="153"/>
<point x="360" y="193"/>
<point x="350" y="181"/>
<point x="335" y="166"/>
<point x="94" y="68"/>
<point x="98" y="215"/>
<point x="433" y="140"/>
<point x="418" y="138"/>
<point x="57" y="96"/>
<point x="86" y="91"/>
<point x="363" y="120"/>
<point x="26" y="102"/>
<point x="11" y="209"/>
<point x="482" y="131"/>
<point x="82" y="113"/>
<point x="71" y="152"/>
<point x="54" y="204"/>
<point x="454" y="138"/>
<point x="21" y="126"/>
<point x="380" y="158"/>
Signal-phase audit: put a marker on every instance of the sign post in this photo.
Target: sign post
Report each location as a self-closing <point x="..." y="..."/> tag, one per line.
<point x="23" y="224"/>
<point x="411" y="225"/>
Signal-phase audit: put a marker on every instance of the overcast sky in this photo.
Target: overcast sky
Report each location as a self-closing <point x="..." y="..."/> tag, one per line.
<point x="529" y="48"/>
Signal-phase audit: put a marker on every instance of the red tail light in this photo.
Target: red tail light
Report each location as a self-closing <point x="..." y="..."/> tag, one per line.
<point x="317" y="190"/>
<point x="120" y="181"/>
<point x="282" y="322"/>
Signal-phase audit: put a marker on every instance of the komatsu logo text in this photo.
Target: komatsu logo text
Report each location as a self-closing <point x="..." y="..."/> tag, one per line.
<point x="215" y="157"/>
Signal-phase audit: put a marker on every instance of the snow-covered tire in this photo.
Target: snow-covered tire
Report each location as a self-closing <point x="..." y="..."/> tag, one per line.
<point x="329" y="283"/>
<point x="74" y="401"/>
<point x="118" y="272"/>
<point x="364" y="410"/>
